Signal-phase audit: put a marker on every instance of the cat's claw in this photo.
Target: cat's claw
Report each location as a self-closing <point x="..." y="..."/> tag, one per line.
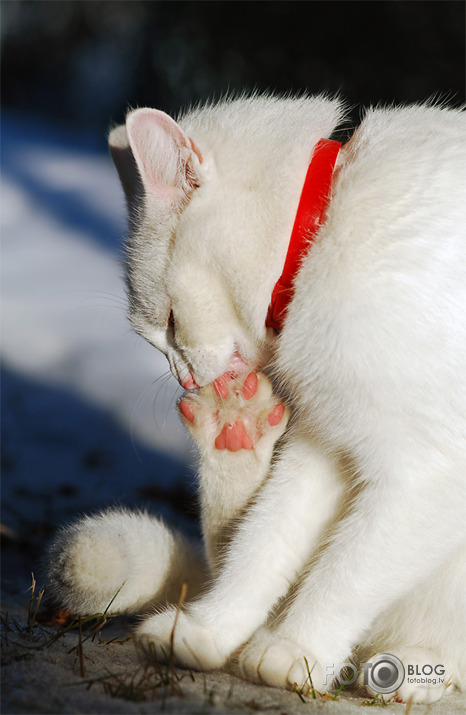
<point x="234" y="413"/>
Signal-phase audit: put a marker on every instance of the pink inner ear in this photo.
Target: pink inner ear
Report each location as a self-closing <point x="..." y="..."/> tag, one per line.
<point x="159" y="148"/>
<point x="196" y="150"/>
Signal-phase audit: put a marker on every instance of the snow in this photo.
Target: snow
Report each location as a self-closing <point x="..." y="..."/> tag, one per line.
<point x="88" y="408"/>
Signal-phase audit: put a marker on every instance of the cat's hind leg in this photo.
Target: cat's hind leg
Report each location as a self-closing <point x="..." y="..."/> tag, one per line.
<point x="426" y="630"/>
<point x="121" y="561"/>
<point x="422" y="685"/>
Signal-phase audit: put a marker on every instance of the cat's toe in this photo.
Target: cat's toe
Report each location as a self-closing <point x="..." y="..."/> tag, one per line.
<point x="251" y="654"/>
<point x="198" y="411"/>
<point x="178" y="636"/>
<point x="253" y="417"/>
<point x="235" y="414"/>
<point x="280" y="663"/>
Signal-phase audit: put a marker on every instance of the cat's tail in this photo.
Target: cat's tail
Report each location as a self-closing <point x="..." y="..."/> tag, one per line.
<point x="121" y="561"/>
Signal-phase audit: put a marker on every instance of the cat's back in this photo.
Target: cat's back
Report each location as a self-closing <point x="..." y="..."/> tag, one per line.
<point x="380" y="301"/>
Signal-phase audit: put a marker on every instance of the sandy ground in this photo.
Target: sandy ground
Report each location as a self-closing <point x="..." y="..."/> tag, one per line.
<point x="48" y="670"/>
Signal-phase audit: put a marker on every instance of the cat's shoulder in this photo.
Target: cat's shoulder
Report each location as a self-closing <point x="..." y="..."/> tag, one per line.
<point x="394" y="150"/>
<point x="408" y="129"/>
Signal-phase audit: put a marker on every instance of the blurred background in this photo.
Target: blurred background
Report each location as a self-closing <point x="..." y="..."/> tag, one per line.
<point x="88" y="409"/>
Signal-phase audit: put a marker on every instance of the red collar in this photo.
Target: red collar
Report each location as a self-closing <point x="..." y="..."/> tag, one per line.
<point x="311" y="209"/>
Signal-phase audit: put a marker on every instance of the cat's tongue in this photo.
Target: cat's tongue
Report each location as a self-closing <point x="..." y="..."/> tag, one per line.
<point x="189" y="383"/>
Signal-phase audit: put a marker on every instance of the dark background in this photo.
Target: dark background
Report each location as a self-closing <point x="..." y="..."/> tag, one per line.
<point x="85" y="62"/>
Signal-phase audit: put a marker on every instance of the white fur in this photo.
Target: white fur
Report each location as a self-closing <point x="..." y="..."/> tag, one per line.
<point x="121" y="561"/>
<point x="359" y="526"/>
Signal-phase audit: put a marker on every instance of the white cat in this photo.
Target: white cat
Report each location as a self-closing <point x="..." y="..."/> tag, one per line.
<point x="352" y="539"/>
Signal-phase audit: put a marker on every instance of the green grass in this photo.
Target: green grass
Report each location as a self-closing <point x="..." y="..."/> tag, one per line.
<point x="307" y="690"/>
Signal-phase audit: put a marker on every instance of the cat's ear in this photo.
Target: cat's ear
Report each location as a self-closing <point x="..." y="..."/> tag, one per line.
<point x="152" y="154"/>
<point x="125" y="164"/>
<point x="169" y="163"/>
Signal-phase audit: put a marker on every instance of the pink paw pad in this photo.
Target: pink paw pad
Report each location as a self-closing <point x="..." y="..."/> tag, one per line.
<point x="186" y="410"/>
<point x="233" y="437"/>
<point x="276" y="415"/>
<point x="250" y="386"/>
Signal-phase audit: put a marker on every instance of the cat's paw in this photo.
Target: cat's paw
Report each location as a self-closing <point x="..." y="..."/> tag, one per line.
<point x="235" y="414"/>
<point x="178" y="635"/>
<point x="280" y="662"/>
<point x="420" y="683"/>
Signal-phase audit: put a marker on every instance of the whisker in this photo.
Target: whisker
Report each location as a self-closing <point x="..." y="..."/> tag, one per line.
<point x="167" y="379"/>
<point x="107" y="295"/>
<point x="239" y="383"/>
<point x="174" y="399"/>
<point x="156" y="384"/>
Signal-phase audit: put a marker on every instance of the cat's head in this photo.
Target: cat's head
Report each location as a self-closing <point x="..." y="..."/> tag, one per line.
<point x="211" y="201"/>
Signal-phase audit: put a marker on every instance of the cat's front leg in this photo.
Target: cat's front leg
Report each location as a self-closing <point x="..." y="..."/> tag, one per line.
<point x="235" y="423"/>
<point x="276" y="537"/>
<point x="393" y="537"/>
